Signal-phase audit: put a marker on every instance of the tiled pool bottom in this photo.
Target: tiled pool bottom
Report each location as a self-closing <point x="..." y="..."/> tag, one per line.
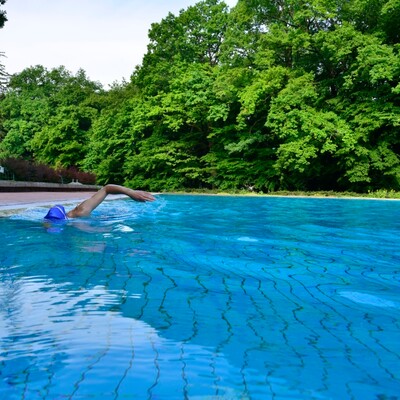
<point x="196" y="297"/>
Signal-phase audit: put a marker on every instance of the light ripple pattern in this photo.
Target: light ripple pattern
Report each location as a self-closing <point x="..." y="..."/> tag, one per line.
<point x="203" y="297"/>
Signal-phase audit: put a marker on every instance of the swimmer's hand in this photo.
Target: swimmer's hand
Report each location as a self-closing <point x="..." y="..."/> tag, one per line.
<point x="140" y="195"/>
<point x="137" y="195"/>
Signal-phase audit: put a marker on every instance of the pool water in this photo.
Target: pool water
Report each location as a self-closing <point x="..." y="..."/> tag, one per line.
<point x="203" y="297"/>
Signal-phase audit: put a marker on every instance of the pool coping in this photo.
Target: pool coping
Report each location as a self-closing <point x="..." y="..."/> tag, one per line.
<point x="17" y="195"/>
<point x="14" y="201"/>
<point x="24" y="186"/>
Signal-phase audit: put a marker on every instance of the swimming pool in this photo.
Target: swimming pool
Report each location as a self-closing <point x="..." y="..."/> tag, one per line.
<point x="200" y="297"/>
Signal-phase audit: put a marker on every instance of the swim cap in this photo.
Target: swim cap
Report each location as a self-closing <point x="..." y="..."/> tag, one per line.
<point x="56" y="213"/>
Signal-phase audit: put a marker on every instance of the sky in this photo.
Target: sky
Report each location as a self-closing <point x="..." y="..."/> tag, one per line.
<point x="106" y="38"/>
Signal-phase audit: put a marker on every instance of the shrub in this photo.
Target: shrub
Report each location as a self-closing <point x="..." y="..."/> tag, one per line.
<point x="23" y="170"/>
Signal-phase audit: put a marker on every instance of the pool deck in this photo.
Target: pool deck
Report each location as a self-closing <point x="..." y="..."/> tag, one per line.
<point x="20" y="195"/>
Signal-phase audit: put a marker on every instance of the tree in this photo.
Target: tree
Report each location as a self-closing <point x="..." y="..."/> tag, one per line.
<point x="3" y="14"/>
<point x="337" y="68"/>
<point x="47" y="115"/>
<point x="194" y="36"/>
<point x="112" y="138"/>
<point x="273" y="94"/>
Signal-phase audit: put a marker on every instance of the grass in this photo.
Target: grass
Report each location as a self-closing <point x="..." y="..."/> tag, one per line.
<point x="379" y="194"/>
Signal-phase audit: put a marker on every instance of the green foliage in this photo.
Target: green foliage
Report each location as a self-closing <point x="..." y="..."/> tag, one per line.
<point x="3" y="15"/>
<point x="111" y="139"/>
<point x="47" y="116"/>
<point x="288" y="95"/>
<point x="309" y="137"/>
<point x="63" y="141"/>
<point x="159" y="160"/>
<point x="193" y="37"/>
<point x="22" y="117"/>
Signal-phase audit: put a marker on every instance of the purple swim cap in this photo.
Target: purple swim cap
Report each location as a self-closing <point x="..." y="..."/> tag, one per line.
<point x="56" y="213"/>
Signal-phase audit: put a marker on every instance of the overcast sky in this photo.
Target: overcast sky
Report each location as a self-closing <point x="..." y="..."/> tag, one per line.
<point x="107" y="38"/>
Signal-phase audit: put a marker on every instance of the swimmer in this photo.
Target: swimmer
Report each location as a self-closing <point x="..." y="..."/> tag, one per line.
<point x="58" y="213"/>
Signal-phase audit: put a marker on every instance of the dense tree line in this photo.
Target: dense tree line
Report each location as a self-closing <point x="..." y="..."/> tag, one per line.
<point x="271" y="94"/>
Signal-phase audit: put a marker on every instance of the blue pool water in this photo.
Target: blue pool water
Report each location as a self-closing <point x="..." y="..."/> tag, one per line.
<point x="203" y="297"/>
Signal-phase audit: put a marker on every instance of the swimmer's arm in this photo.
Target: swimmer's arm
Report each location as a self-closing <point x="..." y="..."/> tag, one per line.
<point x="85" y="208"/>
<point x="137" y="195"/>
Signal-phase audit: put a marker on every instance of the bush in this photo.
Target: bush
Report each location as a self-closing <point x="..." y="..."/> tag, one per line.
<point x="23" y="170"/>
<point x="73" y="173"/>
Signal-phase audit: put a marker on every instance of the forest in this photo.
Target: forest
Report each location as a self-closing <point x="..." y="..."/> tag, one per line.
<point x="268" y="95"/>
